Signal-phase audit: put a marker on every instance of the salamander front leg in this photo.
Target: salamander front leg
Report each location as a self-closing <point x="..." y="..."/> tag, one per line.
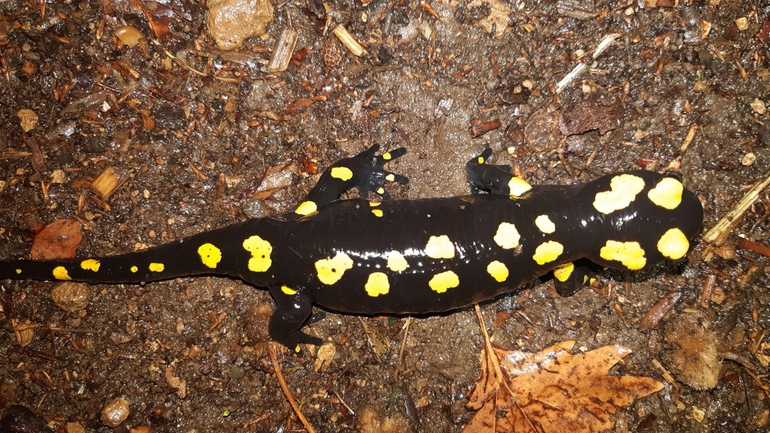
<point x="494" y="179"/>
<point x="571" y="277"/>
<point x="365" y="171"/>
<point x="292" y="313"/>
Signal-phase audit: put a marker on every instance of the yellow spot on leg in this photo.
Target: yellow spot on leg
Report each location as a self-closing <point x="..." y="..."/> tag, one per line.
<point x="377" y="284"/>
<point x="331" y="270"/>
<point x="440" y="247"/>
<point x="288" y="291"/>
<point x="498" y="271"/>
<point x="306" y="208"/>
<point x="673" y="244"/>
<point x="667" y="193"/>
<point x="563" y="272"/>
<point x="507" y="236"/>
<point x="548" y="252"/>
<point x="341" y="173"/>
<point x="397" y="262"/>
<point x="545" y="224"/>
<point x="90" y="265"/>
<point x="443" y="281"/>
<point x="210" y="255"/>
<point x="387" y="156"/>
<point x="260" y="250"/>
<point x="60" y="273"/>
<point x="157" y="267"/>
<point x="623" y="191"/>
<point x="630" y="254"/>
<point x="134" y="269"/>
<point x="518" y="186"/>
<point x="391" y="177"/>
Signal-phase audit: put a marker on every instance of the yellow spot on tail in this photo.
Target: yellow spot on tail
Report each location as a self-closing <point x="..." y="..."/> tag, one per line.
<point x="90" y="265"/>
<point x="391" y="177"/>
<point x="667" y="193"/>
<point x="563" y="272"/>
<point x="397" y="262"/>
<point x="134" y="269"/>
<point x="377" y="212"/>
<point x="498" y="271"/>
<point x="518" y="186"/>
<point x="623" y="191"/>
<point x="260" y="250"/>
<point x="60" y="273"/>
<point x="288" y="291"/>
<point x="210" y="255"/>
<point x="387" y="156"/>
<point x="306" y="208"/>
<point x="157" y="267"/>
<point x="341" y="173"/>
<point x="377" y="284"/>
<point x="545" y="224"/>
<point x="331" y="270"/>
<point x="630" y="254"/>
<point x="18" y="271"/>
<point x="440" y="283"/>
<point x="673" y="244"/>
<point x="440" y="247"/>
<point x="548" y="252"/>
<point x="507" y="236"/>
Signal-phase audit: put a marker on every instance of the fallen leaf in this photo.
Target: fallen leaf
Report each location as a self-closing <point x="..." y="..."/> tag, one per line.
<point x="553" y="390"/>
<point x="58" y="240"/>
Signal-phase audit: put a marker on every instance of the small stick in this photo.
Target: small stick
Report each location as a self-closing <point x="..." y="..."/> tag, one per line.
<point x="285" y="388"/>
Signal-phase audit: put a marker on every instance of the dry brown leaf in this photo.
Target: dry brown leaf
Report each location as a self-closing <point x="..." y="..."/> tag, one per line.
<point x="552" y="390"/>
<point x="59" y="240"/>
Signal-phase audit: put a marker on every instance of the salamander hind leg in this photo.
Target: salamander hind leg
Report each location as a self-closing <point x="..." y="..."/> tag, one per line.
<point x="292" y="312"/>
<point x="571" y="277"/>
<point x="494" y="179"/>
<point x="365" y="171"/>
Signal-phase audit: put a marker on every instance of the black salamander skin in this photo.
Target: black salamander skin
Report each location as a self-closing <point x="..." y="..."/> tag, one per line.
<point x="415" y="256"/>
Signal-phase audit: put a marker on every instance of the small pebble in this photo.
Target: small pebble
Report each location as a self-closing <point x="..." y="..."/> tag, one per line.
<point x="71" y="296"/>
<point x="115" y="412"/>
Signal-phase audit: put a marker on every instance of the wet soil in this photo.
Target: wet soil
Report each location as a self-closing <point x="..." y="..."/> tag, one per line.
<point x="193" y="131"/>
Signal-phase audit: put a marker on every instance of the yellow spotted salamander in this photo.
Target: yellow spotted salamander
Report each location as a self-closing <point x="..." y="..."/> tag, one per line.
<point x="415" y="256"/>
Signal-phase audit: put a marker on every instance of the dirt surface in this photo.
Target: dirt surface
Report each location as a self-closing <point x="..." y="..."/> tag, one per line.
<point x="193" y="131"/>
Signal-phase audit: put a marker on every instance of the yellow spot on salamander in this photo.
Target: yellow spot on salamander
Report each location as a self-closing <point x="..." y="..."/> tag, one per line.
<point x="377" y="284"/>
<point x="397" y="262"/>
<point x="545" y="224"/>
<point x="667" y="193"/>
<point x="377" y="213"/>
<point x="507" y="236"/>
<point x="306" y="208"/>
<point x="623" y="191"/>
<point x="90" y="265"/>
<point x="498" y="271"/>
<point x="297" y="349"/>
<point x="134" y="269"/>
<point x="375" y="203"/>
<point x="331" y="270"/>
<point x="518" y="186"/>
<point x="563" y="272"/>
<point x="157" y="267"/>
<point x="210" y="255"/>
<point x="288" y="291"/>
<point x="18" y="271"/>
<point x="387" y="156"/>
<point x="673" y="244"/>
<point x="380" y="190"/>
<point x="480" y="160"/>
<point x="341" y="173"/>
<point x="391" y="177"/>
<point x="260" y="250"/>
<point x="548" y="252"/>
<point x="630" y="254"/>
<point x="443" y="281"/>
<point x="440" y="247"/>
<point x="60" y="273"/>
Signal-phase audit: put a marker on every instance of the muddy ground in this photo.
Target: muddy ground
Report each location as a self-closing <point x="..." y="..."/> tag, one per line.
<point x="193" y="137"/>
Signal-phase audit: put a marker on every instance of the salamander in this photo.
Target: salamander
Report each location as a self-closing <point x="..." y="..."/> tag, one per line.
<point x="422" y="256"/>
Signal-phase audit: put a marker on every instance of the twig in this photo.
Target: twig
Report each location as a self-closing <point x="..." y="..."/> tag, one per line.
<point x="585" y="66"/>
<point x="286" y="392"/>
